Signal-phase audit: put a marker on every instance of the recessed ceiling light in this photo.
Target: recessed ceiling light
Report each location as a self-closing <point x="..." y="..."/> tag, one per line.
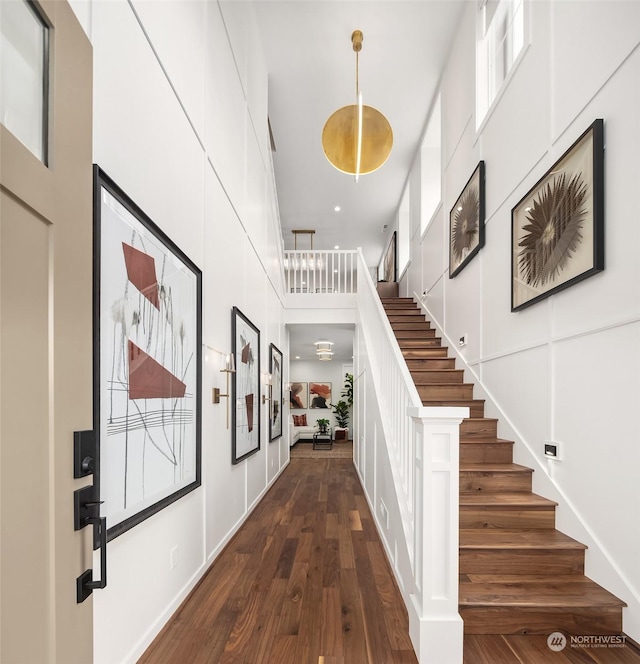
<point x="337" y="208"/>
<point x="337" y="246"/>
<point x="297" y="357"/>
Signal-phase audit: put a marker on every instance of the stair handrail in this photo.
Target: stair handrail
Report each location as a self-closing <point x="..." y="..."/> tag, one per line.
<point x="397" y="394"/>
<point x="423" y="447"/>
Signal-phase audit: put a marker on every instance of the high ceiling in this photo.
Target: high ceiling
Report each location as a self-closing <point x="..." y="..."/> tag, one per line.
<point x="311" y="66"/>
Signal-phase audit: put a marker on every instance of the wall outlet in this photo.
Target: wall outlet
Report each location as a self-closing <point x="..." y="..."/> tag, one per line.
<point x="553" y="450"/>
<point x="462" y="341"/>
<point x="173" y="558"/>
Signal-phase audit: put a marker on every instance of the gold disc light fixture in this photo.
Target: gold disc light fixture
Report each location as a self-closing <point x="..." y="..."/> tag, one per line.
<point x="357" y="139"/>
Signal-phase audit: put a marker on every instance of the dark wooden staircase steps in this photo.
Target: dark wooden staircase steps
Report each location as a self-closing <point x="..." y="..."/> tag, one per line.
<point x="537" y="604"/>
<point x="518" y="574"/>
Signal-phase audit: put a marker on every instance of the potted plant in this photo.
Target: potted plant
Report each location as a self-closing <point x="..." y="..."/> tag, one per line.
<point x="323" y="425"/>
<point x="341" y="411"/>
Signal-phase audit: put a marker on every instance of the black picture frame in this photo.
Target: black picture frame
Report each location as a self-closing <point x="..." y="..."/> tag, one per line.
<point x="245" y="387"/>
<point x="557" y="228"/>
<point x="277" y="402"/>
<point x="147" y="390"/>
<point x="466" y="222"/>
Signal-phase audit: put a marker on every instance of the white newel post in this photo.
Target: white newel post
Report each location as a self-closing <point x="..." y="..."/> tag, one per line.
<point x="435" y="626"/>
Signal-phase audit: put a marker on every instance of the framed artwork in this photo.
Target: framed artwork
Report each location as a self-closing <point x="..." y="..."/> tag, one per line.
<point x="245" y="387"/>
<point x="389" y="270"/>
<point x="147" y="372"/>
<point x="320" y="395"/>
<point x="466" y="222"/>
<point x="299" y="396"/>
<point x="275" y="405"/>
<point x="557" y="229"/>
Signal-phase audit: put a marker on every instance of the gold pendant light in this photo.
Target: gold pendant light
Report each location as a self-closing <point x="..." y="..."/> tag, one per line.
<point x="357" y="139"/>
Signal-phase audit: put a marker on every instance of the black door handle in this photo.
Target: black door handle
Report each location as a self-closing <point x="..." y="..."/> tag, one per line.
<point x="85" y="583"/>
<point x="100" y="522"/>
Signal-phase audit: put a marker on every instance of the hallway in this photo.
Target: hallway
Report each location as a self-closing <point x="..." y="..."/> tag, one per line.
<point x="305" y="581"/>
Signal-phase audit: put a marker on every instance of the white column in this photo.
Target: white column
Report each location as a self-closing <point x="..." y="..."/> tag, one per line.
<point x="435" y="626"/>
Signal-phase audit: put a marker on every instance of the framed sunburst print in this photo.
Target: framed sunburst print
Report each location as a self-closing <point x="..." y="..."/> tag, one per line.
<point x="466" y="223"/>
<point x="557" y="229"/>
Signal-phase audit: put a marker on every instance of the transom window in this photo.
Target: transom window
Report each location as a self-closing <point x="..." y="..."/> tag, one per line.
<point x="500" y="38"/>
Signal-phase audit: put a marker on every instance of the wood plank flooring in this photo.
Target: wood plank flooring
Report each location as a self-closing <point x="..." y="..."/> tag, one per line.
<point x="305" y="581"/>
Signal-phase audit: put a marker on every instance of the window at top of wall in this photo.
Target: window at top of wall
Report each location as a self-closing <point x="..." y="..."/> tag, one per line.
<point x="499" y="41"/>
<point x="431" y="167"/>
<point x="24" y="74"/>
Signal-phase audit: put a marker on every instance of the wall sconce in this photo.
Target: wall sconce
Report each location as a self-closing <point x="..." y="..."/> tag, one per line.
<point x="268" y="381"/>
<point x="229" y="368"/>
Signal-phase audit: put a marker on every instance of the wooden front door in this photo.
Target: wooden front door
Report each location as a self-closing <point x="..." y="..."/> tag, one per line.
<point x="46" y="357"/>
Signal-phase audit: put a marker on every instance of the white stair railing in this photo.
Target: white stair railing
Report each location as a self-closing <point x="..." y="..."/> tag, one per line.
<point x="313" y="272"/>
<point x="423" y="450"/>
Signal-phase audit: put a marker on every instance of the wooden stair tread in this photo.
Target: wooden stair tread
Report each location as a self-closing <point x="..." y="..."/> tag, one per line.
<point x="503" y="538"/>
<point x="519" y="500"/>
<point x="494" y="468"/>
<point x="570" y="591"/>
<point x="454" y="403"/>
<point x="480" y="441"/>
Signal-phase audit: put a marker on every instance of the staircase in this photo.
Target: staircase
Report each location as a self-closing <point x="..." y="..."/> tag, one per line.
<point x="518" y="574"/>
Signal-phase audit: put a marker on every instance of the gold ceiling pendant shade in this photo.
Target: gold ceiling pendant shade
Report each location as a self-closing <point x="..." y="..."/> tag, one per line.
<point x="357" y="139"/>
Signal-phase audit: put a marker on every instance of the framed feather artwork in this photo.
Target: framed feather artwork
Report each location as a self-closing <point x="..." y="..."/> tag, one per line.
<point x="557" y="229"/>
<point x="466" y="223"/>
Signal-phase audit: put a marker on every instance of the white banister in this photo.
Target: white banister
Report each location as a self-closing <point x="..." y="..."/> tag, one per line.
<point x="423" y="451"/>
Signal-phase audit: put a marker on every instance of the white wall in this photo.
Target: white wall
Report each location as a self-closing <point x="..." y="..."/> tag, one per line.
<point x="566" y="368"/>
<point x="180" y="123"/>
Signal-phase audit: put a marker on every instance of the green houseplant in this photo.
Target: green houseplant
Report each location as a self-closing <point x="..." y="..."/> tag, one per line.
<point x="347" y="390"/>
<point x="341" y="411"/>
<point x="323" y="424"/>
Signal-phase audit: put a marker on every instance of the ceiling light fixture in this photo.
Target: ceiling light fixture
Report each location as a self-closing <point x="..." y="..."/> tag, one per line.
<point x="325" y="356"/>
<point x="323" y="346"/>
<point x="357" y="139"/>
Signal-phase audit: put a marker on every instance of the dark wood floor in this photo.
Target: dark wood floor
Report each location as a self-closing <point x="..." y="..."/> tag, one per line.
<point x="306" y="581"/>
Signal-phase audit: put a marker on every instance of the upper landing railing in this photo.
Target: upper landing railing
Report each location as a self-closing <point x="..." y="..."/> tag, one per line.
<point x="321" y="271"/>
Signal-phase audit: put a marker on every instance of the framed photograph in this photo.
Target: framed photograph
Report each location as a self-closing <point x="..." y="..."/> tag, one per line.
<point x="320" y="395"/>
<point x="557" y="229"/>
<point x="466" y="223"/>
<point x="147" y="371"/>
<point x="299" y="396"/>
<point x="245" y="387"/>
<point x="275" y="405"/>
